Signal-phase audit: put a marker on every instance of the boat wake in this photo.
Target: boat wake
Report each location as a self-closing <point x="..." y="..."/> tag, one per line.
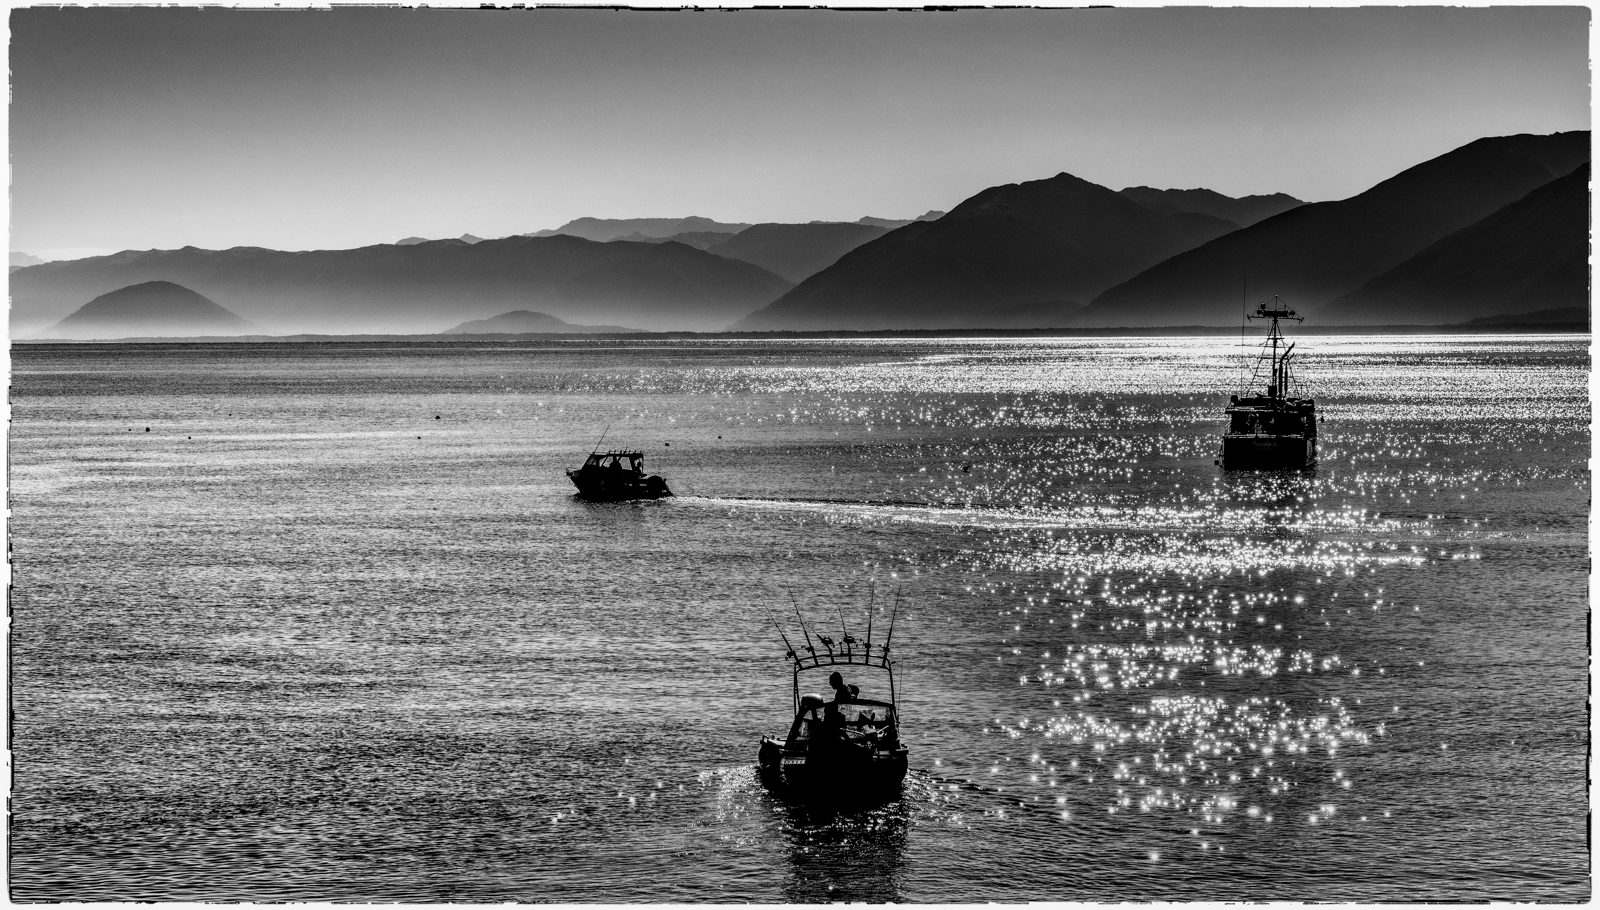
<point x="1278" y="520"/>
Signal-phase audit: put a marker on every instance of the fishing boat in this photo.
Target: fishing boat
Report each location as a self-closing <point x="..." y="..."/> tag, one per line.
<point x="845" y="750"/>
<point x="1275" y="431"/>
<point x="617" y="475"/>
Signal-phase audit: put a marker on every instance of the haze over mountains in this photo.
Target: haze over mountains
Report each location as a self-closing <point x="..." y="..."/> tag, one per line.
<point x="1496" y="228"/>
<point x="425" y="287"/>
<point x="151" y="309"/>
<point x="607" y="229"/>
<point x="797" y="251"/>
<point x="522" y="322"/>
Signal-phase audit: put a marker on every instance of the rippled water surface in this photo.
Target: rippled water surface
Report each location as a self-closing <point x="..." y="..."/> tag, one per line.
<point x="324" y="622"/>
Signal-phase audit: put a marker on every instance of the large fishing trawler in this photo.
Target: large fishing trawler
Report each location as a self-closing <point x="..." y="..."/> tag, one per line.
<point x="1274" y="431"/>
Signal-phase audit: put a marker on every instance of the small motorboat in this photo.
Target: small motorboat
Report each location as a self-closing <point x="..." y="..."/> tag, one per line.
<point x="1275" y="431"/>
<point x="845" y="750"/>
<point x="615" y="476"/>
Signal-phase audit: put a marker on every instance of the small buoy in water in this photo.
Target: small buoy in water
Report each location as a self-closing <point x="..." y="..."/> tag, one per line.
<point x="436" y="417"/>
<point x="147" y="429"/>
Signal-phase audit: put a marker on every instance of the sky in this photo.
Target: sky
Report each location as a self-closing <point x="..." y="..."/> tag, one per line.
<point x="140" y="128"/>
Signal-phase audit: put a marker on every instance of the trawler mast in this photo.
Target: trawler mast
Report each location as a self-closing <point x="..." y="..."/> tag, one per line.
<point x="1271" y="431"/>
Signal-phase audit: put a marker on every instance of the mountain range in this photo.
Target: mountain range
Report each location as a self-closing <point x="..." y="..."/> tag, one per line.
<point x="1496" y="228"/>
<point x="424" y="287"/>
<point x="1014" y="255"/>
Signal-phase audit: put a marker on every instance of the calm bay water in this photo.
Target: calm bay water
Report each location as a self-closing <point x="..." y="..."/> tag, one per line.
<point x="324" y="622"/>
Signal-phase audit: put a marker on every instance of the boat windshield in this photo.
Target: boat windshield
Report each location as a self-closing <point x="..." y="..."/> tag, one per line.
<point x="851" y="716"/>
<point x="865" y="715"/>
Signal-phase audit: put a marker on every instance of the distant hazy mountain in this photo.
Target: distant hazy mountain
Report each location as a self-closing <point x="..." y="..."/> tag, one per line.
<point x="1022" y="251"/>
<point x="468" y="238"/>
<point x="604" y="229"/>
<point x="411" y="241"/>
<point x="1243" y="211"/>
<point x="424" y="287"/>
<point x="154" y="309"/>
<point x="796" y="251"/>
<point x="1311" y="254"/>
<point x="19" y="260"/>
<point x="892" y="223"/>
<point x="519" y="322"/>
<point x="700" y="240"/>
<point x="1530" y="256"/>
<point x="1575" y="315"/>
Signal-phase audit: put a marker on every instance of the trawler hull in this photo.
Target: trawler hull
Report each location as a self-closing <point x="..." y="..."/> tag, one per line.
<point x="1260" y="452"/>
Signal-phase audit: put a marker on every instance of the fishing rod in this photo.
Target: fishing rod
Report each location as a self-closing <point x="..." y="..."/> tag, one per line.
<point x="776" y="625"/>
<point x="789" y="654"/>
<point x="600" y="440"/>
<point x="826" y="641"/>
<point x="848" y="641"/>
<point x="803" y="629"/>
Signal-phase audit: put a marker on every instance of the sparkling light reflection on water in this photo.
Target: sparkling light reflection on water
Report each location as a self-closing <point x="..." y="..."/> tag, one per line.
<point x="333" y="627"/>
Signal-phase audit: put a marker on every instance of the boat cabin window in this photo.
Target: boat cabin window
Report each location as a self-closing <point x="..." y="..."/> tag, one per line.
<point x="614" y="462"/>
<point x="1267" y="422"/>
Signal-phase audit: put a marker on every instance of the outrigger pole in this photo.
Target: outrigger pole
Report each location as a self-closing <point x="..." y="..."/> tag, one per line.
<point x="600" y="440"/>
<point x="892" y="616"/>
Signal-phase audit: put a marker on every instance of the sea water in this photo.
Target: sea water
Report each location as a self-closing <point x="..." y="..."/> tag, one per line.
<point x="325" y="622"/>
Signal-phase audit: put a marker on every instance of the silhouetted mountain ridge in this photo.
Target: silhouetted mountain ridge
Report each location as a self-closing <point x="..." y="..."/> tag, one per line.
<point x="1241" y="212"/>
<point x="1529" y="256"/>
<point x="1023" y="249"/>
<point x="1313" y="253"/>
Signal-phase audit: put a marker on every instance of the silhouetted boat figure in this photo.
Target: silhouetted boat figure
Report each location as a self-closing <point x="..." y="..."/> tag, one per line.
<point x="615" y="476"/>
<point x="1272" y="431"/>
<point x="845" y="752"/>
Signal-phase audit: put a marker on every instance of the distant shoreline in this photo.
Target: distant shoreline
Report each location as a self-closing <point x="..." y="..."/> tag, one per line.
<point x="1197" y="331"/>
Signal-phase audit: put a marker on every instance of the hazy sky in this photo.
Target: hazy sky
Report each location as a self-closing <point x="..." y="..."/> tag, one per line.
<point x="301" y="129"/>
